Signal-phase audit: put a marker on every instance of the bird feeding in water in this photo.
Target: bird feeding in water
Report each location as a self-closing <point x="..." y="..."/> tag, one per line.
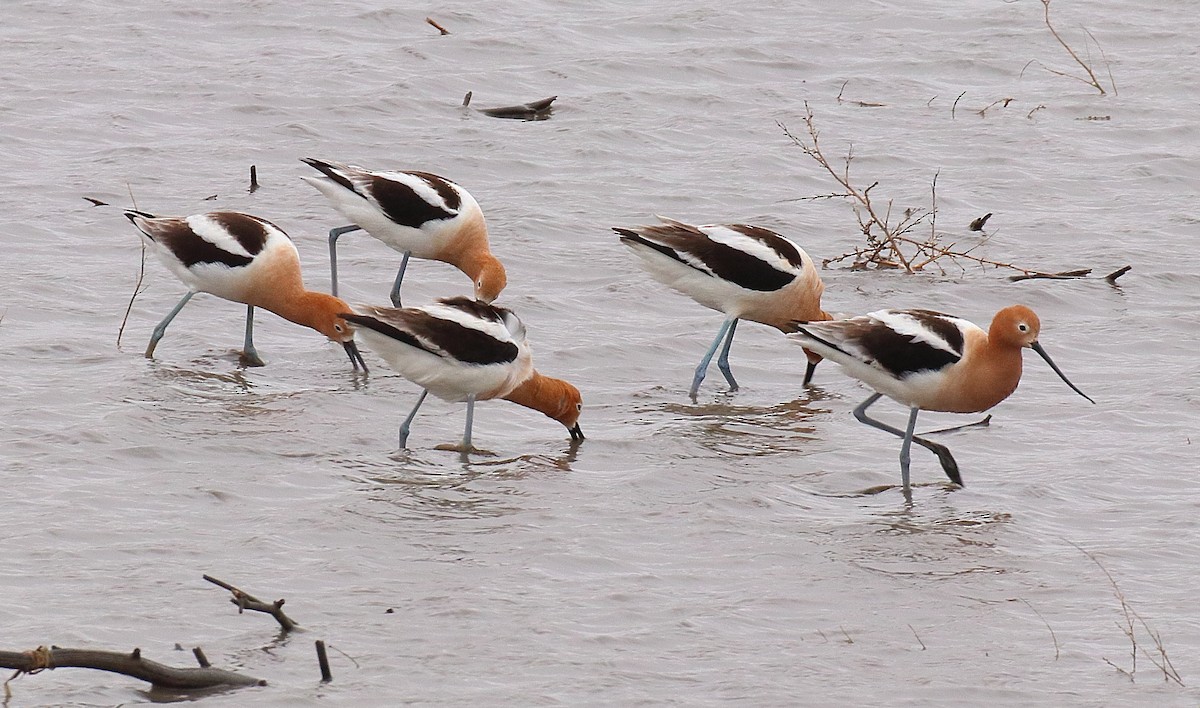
<point x="465" y="350"/>
<point x="746" y="272"/>
<point x="416" y="213"/>
<point x="929" y="361"/>
<point x="246" y="259"/>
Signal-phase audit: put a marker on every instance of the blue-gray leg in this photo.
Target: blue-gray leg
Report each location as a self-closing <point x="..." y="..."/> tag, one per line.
<point x="333" y="237"/>
<point x="723" y="360"/>
<point x="407" y="424"/>
<point x="250" y="355"/>
<point x="161" y="328"/>
<point x="702" y="369"/>
<point x="905" y="447"/>
<point x="943" y="453"/>
<point x="399" y="277"/>
<point x="466" y="444"/>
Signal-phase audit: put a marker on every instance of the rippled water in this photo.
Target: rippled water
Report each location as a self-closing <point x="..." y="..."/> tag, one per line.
<point x="698" y="554"/>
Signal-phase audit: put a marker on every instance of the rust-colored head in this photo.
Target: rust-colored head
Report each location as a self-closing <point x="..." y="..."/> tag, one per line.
<point x="490" y="278"/>
<point x="324" y="313"/>
<point x="556" y="398"/>
<point x="1017" y="327"/>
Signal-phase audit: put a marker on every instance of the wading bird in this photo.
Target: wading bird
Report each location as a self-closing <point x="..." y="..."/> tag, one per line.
<point x="244" y="259"/>
<point x="929" y="361"/>
<point x="746" y="272"/>
<point x="465" y="350"/>
<point x="416" y="213"/>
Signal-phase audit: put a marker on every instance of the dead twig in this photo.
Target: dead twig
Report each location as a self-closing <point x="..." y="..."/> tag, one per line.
<point x="246" y="601"/>
<point x="864" y="104"/>
<point x="918" y="637"/>
<point x="1112" y="277"/>
<point x="137" y="285"/>
<point x="1129" y="628"/>
<point x="1053" y="636"/>
<point x="323" y="662"/>
<point x="127" y="663"/>
<point x="1091" y="79"/>
<point x="955" y="106"/>
<point x="1063" y="275"/>
<point x="890" y="243"/>
<point x="436" y="26"/>
<point x="1002" y="102"/>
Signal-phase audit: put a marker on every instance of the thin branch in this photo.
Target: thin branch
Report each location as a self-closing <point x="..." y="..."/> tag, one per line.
<point x="1053" y="636"/>
<point x="955" y="106"/>
<point x="246" y="601"/>
<point x="137" y="285"/>
<point x="1092" y="80"/>
<point x="918" y="637"/>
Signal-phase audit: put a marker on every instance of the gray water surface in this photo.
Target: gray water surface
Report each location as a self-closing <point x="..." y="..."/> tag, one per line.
<point x="694" y="554"/>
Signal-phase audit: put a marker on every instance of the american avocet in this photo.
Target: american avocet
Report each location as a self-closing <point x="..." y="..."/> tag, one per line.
<point x="416" y="213"/>
<point x="930" y="361"/>
<point x="245" y="259"/>
<point x="465" y="350"/>
<point x="746" y="272"/>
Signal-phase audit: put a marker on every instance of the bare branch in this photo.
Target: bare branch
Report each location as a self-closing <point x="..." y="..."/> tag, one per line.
<point x="127" y="663"/>
<point x="246" y="601"/>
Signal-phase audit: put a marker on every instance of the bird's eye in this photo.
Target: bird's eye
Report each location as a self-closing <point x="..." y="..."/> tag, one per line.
<point x="337" y="328"/>
<point x="1023" y="327"/>
<point x="579" y="407"/>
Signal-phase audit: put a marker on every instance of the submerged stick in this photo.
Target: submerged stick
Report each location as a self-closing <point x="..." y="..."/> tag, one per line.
<point x="253" y="179"/>
<point x="1063" y="275"/>
<point x="436" y="26"/>
<point x="246" y="601"/>
<point x="1112" y="277"/>
<point x="323" y="661"/>
<point x="127" y="663"/>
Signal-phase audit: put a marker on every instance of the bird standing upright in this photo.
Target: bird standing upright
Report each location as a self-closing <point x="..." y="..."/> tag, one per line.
<point x="929" y="361"/>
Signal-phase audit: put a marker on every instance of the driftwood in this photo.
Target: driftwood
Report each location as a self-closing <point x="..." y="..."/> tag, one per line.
<point x="323" y="662"/>
<point x="433" y="23"/>
<point x="534" y="110"/>
<point x="253" y="179"/>
<point x="129" y="664"/>
<point x="246" y="601"/>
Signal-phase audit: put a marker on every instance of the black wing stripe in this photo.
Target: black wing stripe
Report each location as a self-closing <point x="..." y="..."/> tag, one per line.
<point x="460" y="342"/>
<point x="403" y="205"/>
<point x="249" y="231"/>
<point x="331" y="172"/>
<point x="631" y="237"/>
<point x="902" y="355"/>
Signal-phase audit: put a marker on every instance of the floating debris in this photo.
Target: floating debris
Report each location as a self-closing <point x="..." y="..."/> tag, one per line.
<point x="977" y="225"/>
<point x="96" y="202"/>
<point x="439" y="28"/>
<point x="253" y="179"/>
<point x="534" y="110"/>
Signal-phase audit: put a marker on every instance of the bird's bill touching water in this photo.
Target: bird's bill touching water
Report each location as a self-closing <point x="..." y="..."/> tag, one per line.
<point x="356" y="357"/>
<point x="576" y="432"/>
<point x="1042" y="352"/>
